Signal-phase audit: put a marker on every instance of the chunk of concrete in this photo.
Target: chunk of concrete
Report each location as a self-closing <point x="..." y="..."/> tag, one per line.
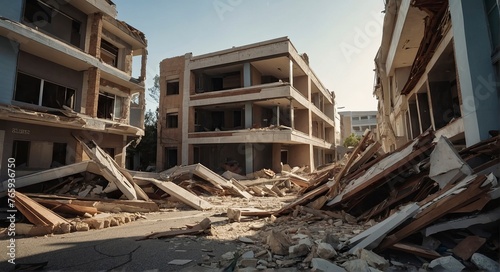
<point x="322" y="265"/>
<point x="446" y="164"/>
<point x="278" y="243"/>
<point x="446" y="264"/>
<point x="484" y="263"/>
<point x="298" y="250"/>
<point x="373" y="259"/>
<point x="357" y="265"/>
<point x="326" y="251"/>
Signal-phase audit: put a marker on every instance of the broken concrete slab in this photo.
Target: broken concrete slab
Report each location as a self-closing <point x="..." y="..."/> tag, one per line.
<point x="373" y="259"/>
<point x="446" y="164"/>
<point x="38" y="214"/>
<point x="182" y="195"/>
<point x="197" y="229"/>
<point x="109" y="168"/>
<point x="278" y="242"/>
<point x="326" y="251"/>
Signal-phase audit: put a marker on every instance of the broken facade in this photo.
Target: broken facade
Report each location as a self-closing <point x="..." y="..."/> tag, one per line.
<point x="438" y="67"/>
<point x="67" y="69"/>
<point x="244" y="109"/>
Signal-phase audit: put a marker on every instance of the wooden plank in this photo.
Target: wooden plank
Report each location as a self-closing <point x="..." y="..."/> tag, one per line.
<point x="36" y="213"/>
<point x="124" y="205"/>
<point x="468" y="246"/>
<point x="437" y="210"/>
<point x="350" y="161"/>
<point x="182" y="195"/>
<point x="380" y="173"/>
<point x="304" y="198"/>
<point x="109" y="169"/>
<point x="365" y="156"/>
<point x="198" y="229"/>
<point x="464" y="222"/>
<point x="417" y="250"/>
<point x="66" y="208"/>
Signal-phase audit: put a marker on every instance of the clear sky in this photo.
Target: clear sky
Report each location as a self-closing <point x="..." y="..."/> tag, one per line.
<point x="341" y="38"/>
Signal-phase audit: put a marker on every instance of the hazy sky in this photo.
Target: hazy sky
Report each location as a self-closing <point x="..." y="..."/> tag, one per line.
<point x="341" y="38"/>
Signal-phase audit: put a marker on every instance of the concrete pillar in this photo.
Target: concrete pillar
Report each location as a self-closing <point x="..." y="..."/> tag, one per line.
<point x="94" y="79"/>
<point x="95" y="36"/>
<point x="277" y="115"/>
<point x="292" y="118"/>
<point x="248" y="115"/>
<point x="247" y="75"/>
<point x="291" y="73"/>
<point x="248" y="158"/>
<point x="144" y="60"/>
<point x="478" y="84"/>
<point x="186" y="110"/>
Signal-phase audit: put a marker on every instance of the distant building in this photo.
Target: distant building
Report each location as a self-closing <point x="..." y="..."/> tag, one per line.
<point x="66" y="68"/>
<point x="438" y="67"/>
<point x="356" y="122"/>
<point x="244" y="109"/>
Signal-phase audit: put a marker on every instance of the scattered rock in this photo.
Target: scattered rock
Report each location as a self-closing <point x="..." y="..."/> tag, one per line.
<point x="278" y="243"/>
<point x="445" y="264"/>
<point x="484" y="263"/>
<point x="373" y="259"/>
<point x="246" y="240"/>
<point x="322" y="265"/>
<point x="357" y="265"/>
<point x="326" y="251"/>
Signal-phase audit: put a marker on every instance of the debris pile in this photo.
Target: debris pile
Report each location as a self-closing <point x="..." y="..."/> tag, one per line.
<point x="427" y="201"/>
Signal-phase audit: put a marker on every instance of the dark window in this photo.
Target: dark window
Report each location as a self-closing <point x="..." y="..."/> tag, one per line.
<point x="105" y="106"/>
<point x="217" y="83"/>
<point x="172" y="87"/>
<point x="110" y="151"/>
<point x="171" y="157"/>
<point x="59" y="154"/>
<point x="27" y="89"/>
<point x="172" y="120"/>
<point x="50" y="20"/>
<point x="53" y="95"/>
<point x="20" y="152"/>
<point x="56" y="96"/>
<point x="493" y="14"/>
<point x="109" y="53"/>
<point x="237" y="118"/>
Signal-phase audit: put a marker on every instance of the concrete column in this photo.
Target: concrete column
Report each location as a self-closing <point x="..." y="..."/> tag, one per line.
<point x="95" y="36"/>
<point x="247" y="75"/>
<point x="292" y="118"/>
<point x="290" y="74"/>
<point x="144" y="60"/>
<point x="94" y="79"/>
<point x="478" y="84"/>
<point x="185" y="110"/>
<point x="248" y="158"/>
<point x="277" y="115"/>
<point x="248" y="114"/>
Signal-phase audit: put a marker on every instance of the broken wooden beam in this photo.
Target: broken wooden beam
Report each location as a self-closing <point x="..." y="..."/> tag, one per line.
<point x="181" y="194"/>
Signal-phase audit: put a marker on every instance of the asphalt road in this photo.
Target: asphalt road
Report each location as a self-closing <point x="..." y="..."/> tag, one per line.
<point x="117" y="248"/>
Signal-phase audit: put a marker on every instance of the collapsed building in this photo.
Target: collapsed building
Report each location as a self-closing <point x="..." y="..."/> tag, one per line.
<point x="67" y="69"/>
<point x="244" y="109"/>
<point x="438" y="67"/>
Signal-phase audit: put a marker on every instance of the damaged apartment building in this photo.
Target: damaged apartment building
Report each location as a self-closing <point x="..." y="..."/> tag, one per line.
<point x="67" y="70"/>
<point x="244" y="109"/>
<point x="438" y="67"/>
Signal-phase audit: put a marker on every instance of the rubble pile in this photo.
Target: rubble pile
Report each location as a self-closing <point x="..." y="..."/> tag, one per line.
<point x="426" y="200"/>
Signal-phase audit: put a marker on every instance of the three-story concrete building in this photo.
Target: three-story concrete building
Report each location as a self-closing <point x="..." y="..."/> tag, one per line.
<point x="244" y="109"/>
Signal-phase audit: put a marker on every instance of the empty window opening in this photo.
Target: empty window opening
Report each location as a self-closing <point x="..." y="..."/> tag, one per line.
<point x="40" y="92"/>
<point x="59" y="154"/>
<point x="172" y="87"/>
<point x="237" y="121"/>
<point x="109" y="53"/>
<point x="52" y="21"/>
<point x="20" y="152"/>
<point x="170" y="157"/>
<point x="172" y="120"/>
<point x="109" y="106"/>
